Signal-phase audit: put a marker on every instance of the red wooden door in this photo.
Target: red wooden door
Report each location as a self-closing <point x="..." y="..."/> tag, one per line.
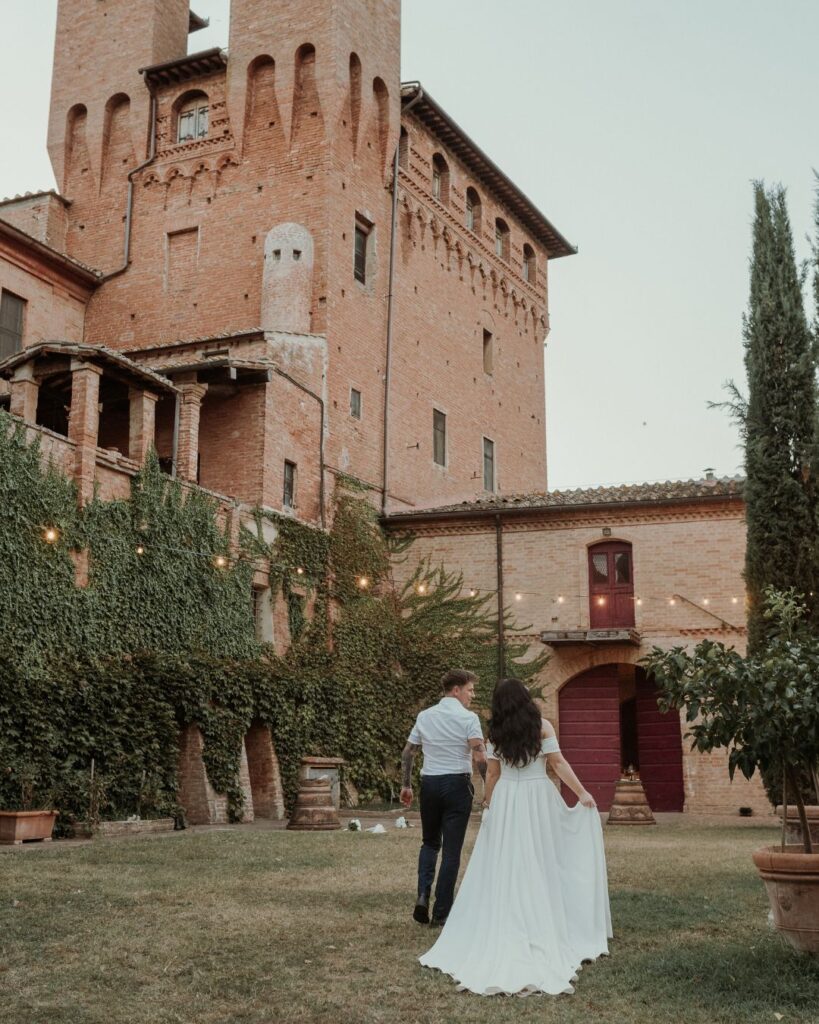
<point x="659" y="740"/>
<point x="589" y="708"/>
<point x="611" y="586"/>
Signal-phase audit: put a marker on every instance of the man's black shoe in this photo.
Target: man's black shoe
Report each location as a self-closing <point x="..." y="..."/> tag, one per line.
<point x="421" y="911"/>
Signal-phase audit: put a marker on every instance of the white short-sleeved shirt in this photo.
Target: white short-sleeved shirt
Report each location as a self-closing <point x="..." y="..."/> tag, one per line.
<point x="443" y="732"/>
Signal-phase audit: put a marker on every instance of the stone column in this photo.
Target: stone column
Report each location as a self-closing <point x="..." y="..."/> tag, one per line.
<point x="141" y="423"/>
<point x="83" y="425"/>
<point x="24" y="393"/>
<point x="187" y="452"/>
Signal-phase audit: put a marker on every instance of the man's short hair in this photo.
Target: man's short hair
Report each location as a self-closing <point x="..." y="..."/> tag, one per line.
<point x="457" y="677"/>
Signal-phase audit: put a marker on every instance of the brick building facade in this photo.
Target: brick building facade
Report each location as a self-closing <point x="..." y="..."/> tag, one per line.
<point x="301" y="268"/>
<point x="597" y="578"/>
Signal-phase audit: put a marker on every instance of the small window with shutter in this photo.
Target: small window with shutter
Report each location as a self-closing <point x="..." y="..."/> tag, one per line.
<point x="439" y="437"/>
<point x="12" y="312"/>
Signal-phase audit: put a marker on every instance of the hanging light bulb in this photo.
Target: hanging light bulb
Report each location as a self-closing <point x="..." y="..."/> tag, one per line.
<point x="363" y="582"/>
<point x="220" y="561"/>
<point x="51" y="535"/>
<point x="299" y="571"/>
<point x="473" y="592"/>
<point x="705" y="600"/>
<point x="639" y="600"/>
<point x="518" y="596"/>
<point x="422" y="588"/>
<point x="140" y="550"/>
<point x="734" y="600"/>
<point x="601" y="600"/>
<point x="560" y="599"/>
<point x="672" y="601"/>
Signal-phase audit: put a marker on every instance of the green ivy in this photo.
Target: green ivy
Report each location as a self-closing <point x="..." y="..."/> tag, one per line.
<point x="162" y="636"/>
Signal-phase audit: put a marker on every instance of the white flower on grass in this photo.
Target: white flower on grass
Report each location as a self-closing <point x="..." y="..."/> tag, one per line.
<point x="401" y="822"/>
<point x="377" y="830"/>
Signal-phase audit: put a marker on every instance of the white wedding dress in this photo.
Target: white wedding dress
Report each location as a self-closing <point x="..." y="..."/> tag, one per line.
<point x="534" y="902"/>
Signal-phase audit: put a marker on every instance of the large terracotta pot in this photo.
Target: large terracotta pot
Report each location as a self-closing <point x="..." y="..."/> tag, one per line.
<point x="792" y="880"/>
<point x="23" y="826"/>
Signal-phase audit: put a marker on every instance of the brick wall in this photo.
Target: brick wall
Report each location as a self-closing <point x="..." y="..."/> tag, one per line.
<point x="688" y="551"/>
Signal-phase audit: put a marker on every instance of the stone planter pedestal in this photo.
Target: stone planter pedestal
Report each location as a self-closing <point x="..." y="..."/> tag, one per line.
<point x="316" y="767"/>
<point x="793" y="826"/>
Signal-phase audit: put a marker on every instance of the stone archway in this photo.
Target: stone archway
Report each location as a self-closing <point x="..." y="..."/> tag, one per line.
<point x="263" y="773"/>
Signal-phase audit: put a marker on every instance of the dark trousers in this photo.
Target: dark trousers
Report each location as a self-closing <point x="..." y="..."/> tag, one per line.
<point x="446" y="802"/>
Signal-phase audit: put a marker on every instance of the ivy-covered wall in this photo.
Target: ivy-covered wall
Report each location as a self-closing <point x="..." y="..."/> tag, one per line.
<point x="163" y="635"/>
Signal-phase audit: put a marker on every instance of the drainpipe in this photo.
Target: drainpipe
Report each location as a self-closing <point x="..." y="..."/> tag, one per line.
<point x="388" y="360"/>
<point x="129" y="204"/>
<point x="499" y="564"/>
<point x="320" y="401"/>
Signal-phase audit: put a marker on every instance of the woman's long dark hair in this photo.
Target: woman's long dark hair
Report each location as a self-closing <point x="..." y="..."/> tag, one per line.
<point x="515" y="729"/>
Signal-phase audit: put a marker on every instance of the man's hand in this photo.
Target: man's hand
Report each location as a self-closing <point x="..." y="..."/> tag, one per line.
<point x="406" y="796"/>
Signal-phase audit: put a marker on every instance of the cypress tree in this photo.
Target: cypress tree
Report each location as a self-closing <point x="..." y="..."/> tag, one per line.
<point x="780" y="421"/>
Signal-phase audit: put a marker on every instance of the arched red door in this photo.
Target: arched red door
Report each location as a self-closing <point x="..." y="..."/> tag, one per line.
<point x="589" y="709"/>
<point x="595" y="738"/>
<point x="611" y="586"/>
<point x="659" y="740"/>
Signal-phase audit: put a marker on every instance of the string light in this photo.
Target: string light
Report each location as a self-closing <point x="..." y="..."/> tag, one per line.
<point x="672" y="601"/>
<point x="705" y="600"/>
<point x="473" y="592"/>
<point x="362" y="582"/>
<point x="220" y="561"/>
<point x="601" y="600"/>
<point x="518" y="596"/>
<point x="422" y="588"/>
<point x="734" y="600"/>
<point x="560" y="599"/>
<point x="51" y="535"/>
<point x="140" y="550"/>
<point x="299" y="571"/>
<point x="639" y="600"/>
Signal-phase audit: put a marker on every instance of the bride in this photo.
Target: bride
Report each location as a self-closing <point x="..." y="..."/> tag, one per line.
<point x="534" y="900"/>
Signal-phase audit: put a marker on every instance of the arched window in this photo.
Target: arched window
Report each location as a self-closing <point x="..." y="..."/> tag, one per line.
<point x="501" y="239"/>
<point x="529" y="265"/>
<point x="473" y="210"/>
<point x="440" y="179"/>
<point x="192" y="117"/>
<point x="403" y="149"/>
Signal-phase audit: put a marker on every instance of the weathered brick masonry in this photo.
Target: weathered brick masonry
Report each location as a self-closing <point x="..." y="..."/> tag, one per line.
<point x="242" y="211"/>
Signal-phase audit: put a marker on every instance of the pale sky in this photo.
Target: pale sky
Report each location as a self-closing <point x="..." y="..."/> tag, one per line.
<point x="637" y="127"/>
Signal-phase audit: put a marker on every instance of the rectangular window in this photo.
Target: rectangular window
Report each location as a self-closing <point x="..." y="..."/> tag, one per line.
<point x="498" y="242"/>
<point x="436" y="184"/>
<point x="470" y="215"/>
<point x="355" y="403"/>
<point x="12" y="310"/>
<point x="363" y="231"/>
<point x="487" y="351"/>
<point x="488" y="464"/>
<point x="289" y="484"/>
<point x="439" y="437"/>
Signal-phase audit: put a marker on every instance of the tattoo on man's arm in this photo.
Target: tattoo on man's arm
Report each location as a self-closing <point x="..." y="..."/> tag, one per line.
<point x="481" y="749"/>
<point x="407" y="758"/>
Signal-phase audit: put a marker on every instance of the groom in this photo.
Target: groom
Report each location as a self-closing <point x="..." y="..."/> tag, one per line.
<point x="449" y="735"/>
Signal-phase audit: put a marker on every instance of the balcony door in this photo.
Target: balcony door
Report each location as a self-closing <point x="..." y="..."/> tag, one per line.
<point x="611" y="586"/>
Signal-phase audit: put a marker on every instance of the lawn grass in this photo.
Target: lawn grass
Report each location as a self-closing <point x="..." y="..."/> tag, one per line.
<point x="255" y="927"/>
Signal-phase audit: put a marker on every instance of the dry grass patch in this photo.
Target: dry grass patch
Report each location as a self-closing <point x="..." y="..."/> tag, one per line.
<point x="256" y="927"/>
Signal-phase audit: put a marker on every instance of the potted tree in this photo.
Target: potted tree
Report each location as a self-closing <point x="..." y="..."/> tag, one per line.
<point x="35" y="818"/>
<point x="765" y="709"/>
